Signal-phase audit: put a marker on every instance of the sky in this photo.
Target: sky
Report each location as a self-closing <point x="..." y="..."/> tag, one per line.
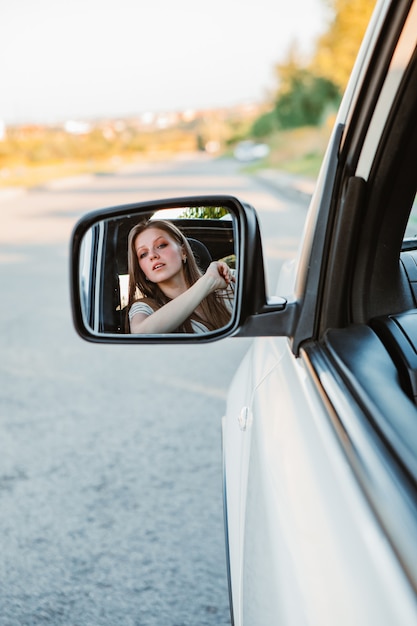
<point x="87" y="59"/>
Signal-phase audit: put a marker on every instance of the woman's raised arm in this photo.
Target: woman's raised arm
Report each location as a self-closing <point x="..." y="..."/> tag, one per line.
<point x="170" y="316"/>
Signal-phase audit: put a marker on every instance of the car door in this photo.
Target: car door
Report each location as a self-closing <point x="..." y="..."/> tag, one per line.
<point x="319" y="434"/>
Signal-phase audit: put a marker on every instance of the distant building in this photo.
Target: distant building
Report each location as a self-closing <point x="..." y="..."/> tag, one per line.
<point x="75" y="127"/>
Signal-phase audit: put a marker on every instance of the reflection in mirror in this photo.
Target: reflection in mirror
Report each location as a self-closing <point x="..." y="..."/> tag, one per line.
<point x="169" y="271"/>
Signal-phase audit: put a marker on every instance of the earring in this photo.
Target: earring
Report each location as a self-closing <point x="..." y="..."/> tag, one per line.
<point x="184" y="260"/>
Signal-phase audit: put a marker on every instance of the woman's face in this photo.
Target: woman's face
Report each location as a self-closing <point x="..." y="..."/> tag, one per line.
<point x="160" y="256"/>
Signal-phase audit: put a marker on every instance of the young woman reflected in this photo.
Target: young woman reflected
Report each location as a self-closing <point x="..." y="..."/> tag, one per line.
<point x="168" y="293"/>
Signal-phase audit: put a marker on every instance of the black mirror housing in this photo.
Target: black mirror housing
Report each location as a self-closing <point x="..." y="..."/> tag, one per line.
<point x="224" y="224"/>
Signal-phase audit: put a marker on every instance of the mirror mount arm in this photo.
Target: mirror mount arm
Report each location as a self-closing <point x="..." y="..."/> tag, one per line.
<point x="257" y="315"/>
<point x="275" y="319"/>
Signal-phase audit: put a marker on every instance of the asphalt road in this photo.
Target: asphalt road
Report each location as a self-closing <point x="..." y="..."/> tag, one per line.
<point x="110" y="465"/>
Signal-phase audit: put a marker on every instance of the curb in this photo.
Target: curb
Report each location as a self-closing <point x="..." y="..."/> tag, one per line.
<point x="299" y="186"/>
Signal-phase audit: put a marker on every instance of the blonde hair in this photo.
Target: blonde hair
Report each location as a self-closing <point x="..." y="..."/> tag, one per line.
<point x="215" y="313"/>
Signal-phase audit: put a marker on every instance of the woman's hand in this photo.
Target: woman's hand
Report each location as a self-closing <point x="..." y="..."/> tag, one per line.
<point x="219" y="274"/>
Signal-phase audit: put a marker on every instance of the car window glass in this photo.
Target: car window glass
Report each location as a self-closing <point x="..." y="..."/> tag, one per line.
<point x="411" y="230"/>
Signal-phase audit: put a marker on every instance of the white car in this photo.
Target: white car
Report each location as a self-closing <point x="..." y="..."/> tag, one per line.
<point x="249" y="150"/>
<point x="320" y="431"/>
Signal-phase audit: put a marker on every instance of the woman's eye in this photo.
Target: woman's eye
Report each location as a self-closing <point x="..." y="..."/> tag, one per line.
<point x="162" y="245"/>
<point x="142" y="255"/>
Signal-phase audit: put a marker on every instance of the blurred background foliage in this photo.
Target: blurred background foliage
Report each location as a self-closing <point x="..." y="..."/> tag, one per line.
<point x="295" y="120"/>
<point x="308" y="91"/>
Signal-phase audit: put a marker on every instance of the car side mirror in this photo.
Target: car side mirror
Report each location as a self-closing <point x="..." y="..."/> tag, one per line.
<point x="111" y="281"/>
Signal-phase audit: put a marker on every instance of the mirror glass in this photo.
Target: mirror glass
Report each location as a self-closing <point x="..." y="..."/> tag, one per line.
<point x="168" y="271"/>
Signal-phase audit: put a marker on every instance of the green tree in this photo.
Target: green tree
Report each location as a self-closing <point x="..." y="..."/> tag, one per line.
<point x="265" y="125"/>
<point x="204" y="212"/>
<point x="304" y="98"/>
<point x="307" y="90"/>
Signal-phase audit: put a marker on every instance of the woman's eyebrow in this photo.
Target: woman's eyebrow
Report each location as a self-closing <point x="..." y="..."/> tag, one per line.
<point x="154" y="241"/>
<point x="158" y="238"/>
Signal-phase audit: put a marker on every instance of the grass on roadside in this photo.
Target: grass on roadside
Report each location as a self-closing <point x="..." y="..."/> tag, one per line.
<point x="35" y="175"/>
<point x="298" y="151"/>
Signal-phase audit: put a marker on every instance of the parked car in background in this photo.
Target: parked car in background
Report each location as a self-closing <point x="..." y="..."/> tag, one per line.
<point x="320" y="429"/>
<point x="249" y="150"/>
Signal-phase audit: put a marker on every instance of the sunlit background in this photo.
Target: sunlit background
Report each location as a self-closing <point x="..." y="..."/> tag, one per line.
<point x="95" y="84"/>
<point x="110" y="473"/>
